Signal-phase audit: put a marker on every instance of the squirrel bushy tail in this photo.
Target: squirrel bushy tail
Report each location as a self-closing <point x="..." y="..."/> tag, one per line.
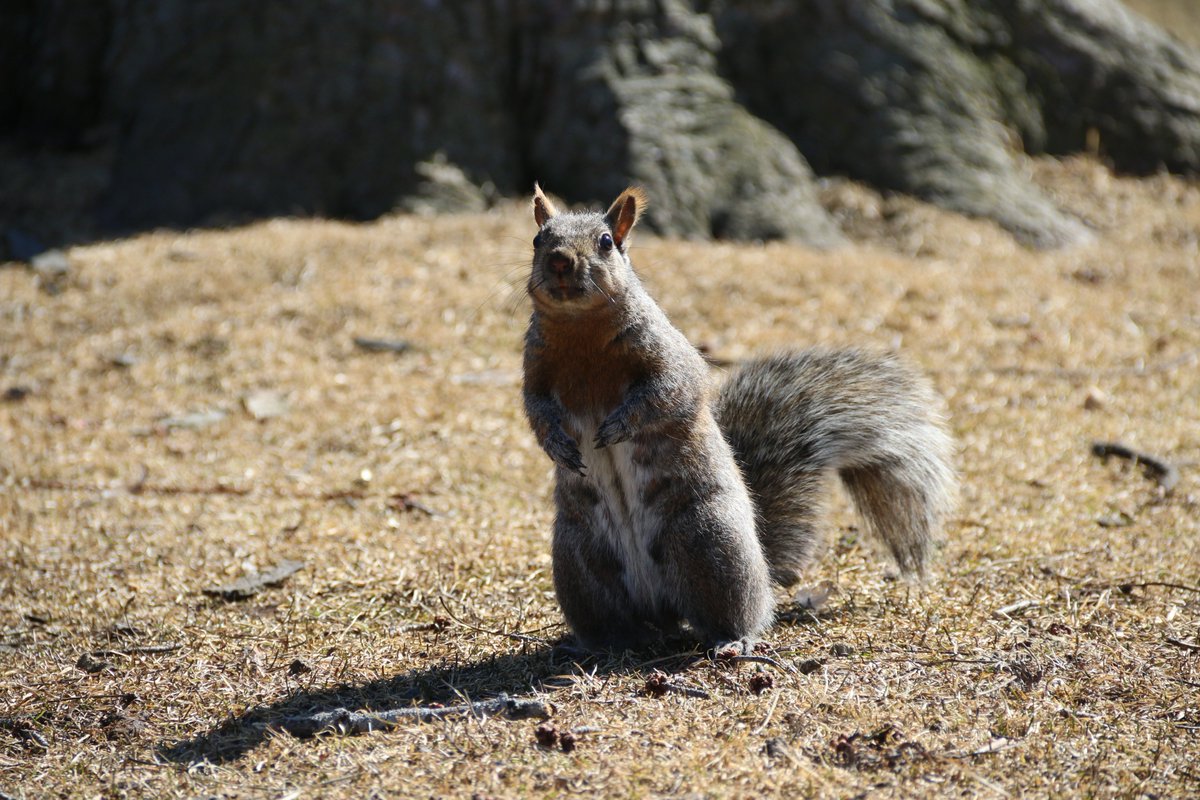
<point x="795" y="418"/>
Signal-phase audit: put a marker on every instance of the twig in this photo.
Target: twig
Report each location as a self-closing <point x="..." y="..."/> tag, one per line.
<point x="139" y="487"/>
<point x="372" y="345"/>
<point x="519" y="637"/>
<point x="994" y="746"/>
<point x="1164" y="584"/>
<point x="754" y="659"/>
<point x="1195" y="648"/>
<point x="148" y="649"/>
<point x="1164" y="473"/>
<point x="1013" y="608"/>
<point x="405" y="502"/>
<point x="1120" y="585"/>
<point x="346" y="723"/>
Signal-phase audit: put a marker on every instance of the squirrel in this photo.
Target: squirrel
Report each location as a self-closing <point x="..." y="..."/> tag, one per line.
<point x="676" y="501"/>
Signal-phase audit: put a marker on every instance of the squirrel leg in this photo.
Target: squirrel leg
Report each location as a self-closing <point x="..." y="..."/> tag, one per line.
<point x="545" y="418"/>
<point x="721" y="579"/>
<point x="590" y="590"/>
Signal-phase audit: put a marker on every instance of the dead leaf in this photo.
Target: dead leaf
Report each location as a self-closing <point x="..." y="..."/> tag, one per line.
<point x="193" y="421"/>
<point x="255" y="582"/>
<point x="266" y="404"/>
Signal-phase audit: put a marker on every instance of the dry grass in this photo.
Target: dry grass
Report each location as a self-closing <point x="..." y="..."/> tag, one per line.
<point x="114" y="521"/>
<point x="1180" y="17"/>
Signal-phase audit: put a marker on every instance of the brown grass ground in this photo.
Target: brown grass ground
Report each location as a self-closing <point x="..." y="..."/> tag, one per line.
<point x="114" y="520"/>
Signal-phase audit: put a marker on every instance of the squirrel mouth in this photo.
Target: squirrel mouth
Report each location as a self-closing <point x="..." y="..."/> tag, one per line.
<point x="564" y="291"/>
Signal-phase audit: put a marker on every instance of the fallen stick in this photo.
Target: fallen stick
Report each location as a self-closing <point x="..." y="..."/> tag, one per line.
<point x="1164" y="473"/>
<point x="1012" y="608"/>
<point x="372" y="345"/>
<point x="147" y="649"/>
<point x="139" y="486"/>
<point x="348" y="723"/>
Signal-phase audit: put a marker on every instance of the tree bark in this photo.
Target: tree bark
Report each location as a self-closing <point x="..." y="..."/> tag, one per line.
<point x="220" y="110"/>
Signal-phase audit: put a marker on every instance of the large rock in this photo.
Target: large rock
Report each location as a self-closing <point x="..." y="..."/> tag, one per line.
<point x="936" y="97"/>
<point x="628" y="92"/>
<point x="224" y="110"/>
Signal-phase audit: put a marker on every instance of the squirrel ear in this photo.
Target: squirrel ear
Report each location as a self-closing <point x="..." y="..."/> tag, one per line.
<point x="624" y="212"/>
<point x="543" y="209"/>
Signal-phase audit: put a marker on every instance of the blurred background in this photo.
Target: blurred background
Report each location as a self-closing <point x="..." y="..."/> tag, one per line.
<point x="118" y="115"/>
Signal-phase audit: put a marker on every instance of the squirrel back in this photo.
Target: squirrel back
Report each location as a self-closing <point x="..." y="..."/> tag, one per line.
<point x="676" y="502"/>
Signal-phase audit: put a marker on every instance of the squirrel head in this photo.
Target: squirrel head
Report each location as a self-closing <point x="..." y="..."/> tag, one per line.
<point x="579" y="258"/>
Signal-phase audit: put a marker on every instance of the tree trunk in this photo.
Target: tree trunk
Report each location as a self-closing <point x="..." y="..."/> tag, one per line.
<point x="224" y="110"/>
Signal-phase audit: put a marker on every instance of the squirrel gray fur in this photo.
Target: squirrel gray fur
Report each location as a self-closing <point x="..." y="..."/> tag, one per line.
<point x="680" y="502"/>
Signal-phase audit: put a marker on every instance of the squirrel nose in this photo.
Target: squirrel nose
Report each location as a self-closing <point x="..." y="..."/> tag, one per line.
<point x="559" y="263"/>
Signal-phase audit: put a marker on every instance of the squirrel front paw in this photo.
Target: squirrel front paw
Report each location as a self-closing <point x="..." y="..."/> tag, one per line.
<point x="613" y="430"/>
<point x="563" y="450"/>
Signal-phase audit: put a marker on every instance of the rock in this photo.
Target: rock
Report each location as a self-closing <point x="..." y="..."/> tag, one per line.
<point x="936" y="99"/>
<point x="193" y="421"/>
<point x="444" y="188"/>
<point x="224" y="110"/>
<point x="266" y="404"/>
<point x="632" y="95"/>
<point x="1094" y="400"/>
<point x="51" y="264"/>
<point x="15" y="394"/>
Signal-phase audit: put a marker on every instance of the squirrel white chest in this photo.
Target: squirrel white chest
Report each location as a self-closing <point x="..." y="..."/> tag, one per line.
<point x="621" y="515"/>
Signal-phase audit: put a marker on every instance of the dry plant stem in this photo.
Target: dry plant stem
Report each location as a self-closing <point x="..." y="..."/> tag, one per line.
<point x="341" y="721"/>
<point x="519" y="637"/>
<point x="1195" y="648"/>
<point x="139" y="486"/>
<point x="151" y="649"/>
<point x="1122" y="585"/>
<point x="1165" y="474"/>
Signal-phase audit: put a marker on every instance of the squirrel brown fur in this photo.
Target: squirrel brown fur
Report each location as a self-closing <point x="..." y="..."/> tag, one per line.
<point x="681" y="502"/>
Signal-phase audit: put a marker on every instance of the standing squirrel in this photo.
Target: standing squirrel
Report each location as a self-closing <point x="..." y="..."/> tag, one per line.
<point x="677" y="502"/>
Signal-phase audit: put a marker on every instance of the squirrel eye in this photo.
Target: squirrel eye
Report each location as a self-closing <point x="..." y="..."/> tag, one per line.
<point x="537" y="240"/>
<point x="606" y="242"/>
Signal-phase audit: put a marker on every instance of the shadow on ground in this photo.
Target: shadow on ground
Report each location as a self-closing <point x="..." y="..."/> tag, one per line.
<point x="515" y="674"/>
